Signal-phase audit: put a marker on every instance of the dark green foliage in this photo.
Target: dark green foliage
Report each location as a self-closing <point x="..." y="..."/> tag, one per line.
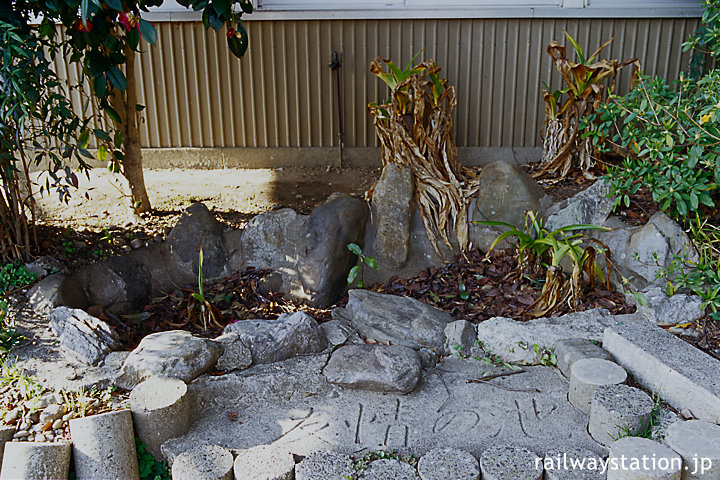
<point x="15" y="276"/>
<point x="150" y="469"/>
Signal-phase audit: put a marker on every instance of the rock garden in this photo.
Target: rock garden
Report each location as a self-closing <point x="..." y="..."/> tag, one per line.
<point x="555" y="320"/>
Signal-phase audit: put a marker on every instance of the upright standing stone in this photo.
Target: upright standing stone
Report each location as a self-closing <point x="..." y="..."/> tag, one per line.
<point x="104" y="447"/>
<point x="448" y="464"/>
<point x="587" y="375"/>
<point x="204" y="463"/>
<point x="509" y="462"/>
<point x="160" y="410"/>
<point x="635" y="458"/>
<point x="617" y="410"/>
<point x="698" y="443"/>
<point x="36" y="461"/>
<point x="391" y="215"/>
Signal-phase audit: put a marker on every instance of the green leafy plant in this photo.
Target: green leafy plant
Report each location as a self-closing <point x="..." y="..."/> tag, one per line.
<point x="9" y="337"/>
<point x="150" y="468"/>
<point x="536" y="246"/>
<point x="545" y="355"/>
<point x="564" y="145"/>
<point x="492" y="359"/>
<point x="359" y="269"/>
<point x="13" y="276"/>
<point x="199" y="304"/>
<point x="646" y="430"/>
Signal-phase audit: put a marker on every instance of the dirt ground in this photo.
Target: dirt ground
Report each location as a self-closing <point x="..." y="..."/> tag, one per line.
<point x="235" y="194"/>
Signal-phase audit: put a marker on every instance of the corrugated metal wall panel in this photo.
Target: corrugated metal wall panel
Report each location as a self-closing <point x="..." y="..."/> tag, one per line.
<point x="283" y="93"/>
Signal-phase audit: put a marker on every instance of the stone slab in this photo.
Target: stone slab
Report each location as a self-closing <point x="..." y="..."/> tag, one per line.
<point x="289" y="404"/>
<point x="684" y="376"/>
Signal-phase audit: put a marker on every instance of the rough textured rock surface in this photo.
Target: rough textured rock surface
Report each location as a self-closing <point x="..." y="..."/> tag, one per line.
<point x="56" y="290"/>
<point x="118" y="284"/>
<point x="274" y="340"/>
<point x="510" y="462"/>
<point x="380" y="368"/>
<point x="45" y="265"/>
<point x="325" y="466"/>
<point x="448" y="464"/>
<point x="204" y="463"/>
<point x="323" y="260"/>
<point x="666" y="464"/>
<point x="514" y="340"/>
<point x="397" y="320"/>
<point x="83" y="337"/>
<point x="564" y="464"/>
<point x="506" y="193"/>
<point x="591" y="206"/>
<point x="641" y="252"/>
<point x="268" y="240"/>
<point x="196" y="228"/>
<point x="661" y="309"/>
<point x="460" y="337"/>
<point x="174" y="354"/>
<point x="236" y="355"/>
<point x="392" y="214"/>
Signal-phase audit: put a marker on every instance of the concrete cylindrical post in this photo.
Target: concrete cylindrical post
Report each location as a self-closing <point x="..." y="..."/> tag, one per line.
<point x="264" y="462"/>
<point x="510" y="461"/>
<point x="204" y="463"/>
<point x="36" y="461"/>
<point x="6" y="434"/>
<point x="636" y="458"/>
<point x="617" y="411"/>
<point x="698" y="443"/>
<point x="588" y="374"/>
<point x="104" y="447"/>
<point x="573" y="463"/>
<point x="160" y="411"/>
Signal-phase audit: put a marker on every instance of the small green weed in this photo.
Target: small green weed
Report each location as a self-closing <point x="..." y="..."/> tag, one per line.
<point x="9" y="337"/>
<point x="492" y="359"/>
<point x="150" y="469"/>
<point x="358" y="269"/>
<point x="363" y="462"/>
<point x="644" y="431"/>
<point x="14" y="276"/>
<point x="545" y="355"/>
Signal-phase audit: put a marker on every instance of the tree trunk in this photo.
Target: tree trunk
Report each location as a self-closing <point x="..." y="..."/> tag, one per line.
<point x="131" y="167"/>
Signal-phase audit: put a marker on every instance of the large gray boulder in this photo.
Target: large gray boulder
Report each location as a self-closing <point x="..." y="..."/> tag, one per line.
<point x="397" y="320"/>
<point x="196" y="228"/>
<point x="591" y="206"/>
<point x="380" y="368"/>
<point x="514" y="341"/>
<point x="268" y="240"/>
<point x="661" y="309"/>
<point x="119" y="284"/>
<point x="640" y="253"/>
<point x="82" y="337"/>
<point x="173" y="354"/>
<point x="56" y="290"/>
<point x="275" y="340"/>
<point x="323" y="260"/>
<point x="505" y="193"/>
<point x="392" y="214"/>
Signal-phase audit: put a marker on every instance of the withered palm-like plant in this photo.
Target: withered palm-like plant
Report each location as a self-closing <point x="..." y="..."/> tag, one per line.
<point x="414" y="127"/>
<point x="586" y="88"/>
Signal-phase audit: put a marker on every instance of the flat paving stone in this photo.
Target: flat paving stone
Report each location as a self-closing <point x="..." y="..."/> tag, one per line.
<point x="291" y="405"/>
<point x="698" y="443"/>
<point x="635" y="458"/>
<point x="325" y="466"/>
<point x="661" y="362"/>
<point x="389" y="469"/>
<point x="588" y="374"/>
<point x="618" y="410"/>
<point x="510" y="462"/>
<point x="448" y="464"/>
<point x="573" y="464"/>
<point x="264" y="463"/>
